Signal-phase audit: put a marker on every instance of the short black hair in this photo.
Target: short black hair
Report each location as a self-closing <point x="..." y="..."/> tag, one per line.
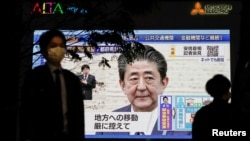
<point x="150" y="54"/>
<point x="165" y="97"/>
<point x="47" y="36"/>
<point x="85" y="66"/>
<point x="218" y="85"/>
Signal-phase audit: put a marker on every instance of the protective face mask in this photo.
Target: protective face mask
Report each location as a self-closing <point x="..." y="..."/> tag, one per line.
<point x="56" y="54"/>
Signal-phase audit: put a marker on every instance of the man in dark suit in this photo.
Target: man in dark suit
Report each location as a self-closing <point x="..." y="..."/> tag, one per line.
<point x="216" y="116"/>
<point x="165" y="103"/>
<point x="142" y="80"/>
<point x="88" y="82"/>
<point x="51" y="110"/>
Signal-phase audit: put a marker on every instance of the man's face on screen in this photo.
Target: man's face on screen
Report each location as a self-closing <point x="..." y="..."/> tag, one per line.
<point x="142" y="84"/>
<point x="85" y="71"/>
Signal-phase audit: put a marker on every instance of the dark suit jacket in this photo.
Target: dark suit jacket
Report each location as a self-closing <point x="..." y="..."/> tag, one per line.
<point x="87" y="88"/>
<point x="38" y="111"/>
<point x="216" y="115"/>
<point x="154" y="132"/>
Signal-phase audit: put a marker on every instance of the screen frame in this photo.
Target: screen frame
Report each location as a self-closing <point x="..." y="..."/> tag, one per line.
<point x="142" y="38"/>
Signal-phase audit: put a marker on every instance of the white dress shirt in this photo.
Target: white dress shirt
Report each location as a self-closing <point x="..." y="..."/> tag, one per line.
<point x="151" y="123"/>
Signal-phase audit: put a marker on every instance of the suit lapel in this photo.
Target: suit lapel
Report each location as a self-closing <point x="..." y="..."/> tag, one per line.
<point x="155" y="129"/>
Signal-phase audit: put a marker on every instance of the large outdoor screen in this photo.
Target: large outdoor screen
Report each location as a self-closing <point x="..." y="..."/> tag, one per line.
<point x="193" y="56"/>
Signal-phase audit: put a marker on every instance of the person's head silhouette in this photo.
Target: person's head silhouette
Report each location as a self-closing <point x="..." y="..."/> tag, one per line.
<point x="219" y="87"/>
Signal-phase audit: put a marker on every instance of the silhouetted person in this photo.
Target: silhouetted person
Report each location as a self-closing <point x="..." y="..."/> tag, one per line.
<point x="88" y="53"/>
<point x="216" y="116"/>
<point x="51" y="102"/>
<point x="74" y="55"/>
<point x="104" y="62"/>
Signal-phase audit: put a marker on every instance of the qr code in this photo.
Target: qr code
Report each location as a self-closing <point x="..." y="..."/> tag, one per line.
<point x="212" y="51"/>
